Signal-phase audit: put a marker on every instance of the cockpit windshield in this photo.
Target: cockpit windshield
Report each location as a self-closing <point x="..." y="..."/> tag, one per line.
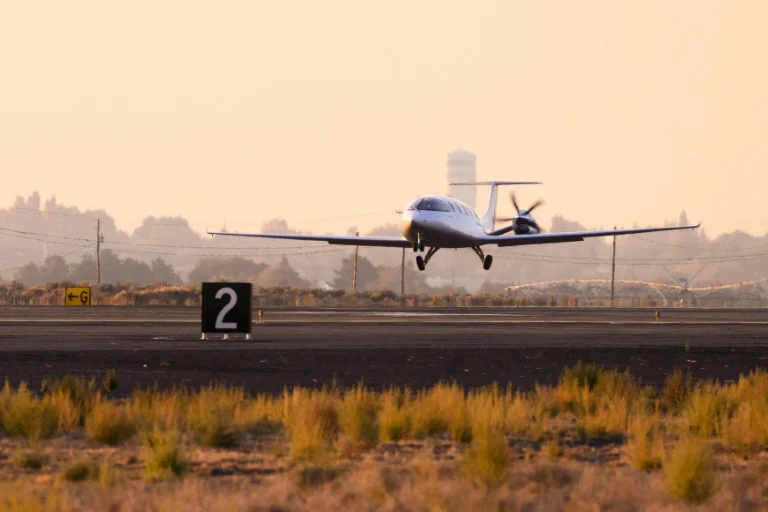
<point x="434" y="204"/>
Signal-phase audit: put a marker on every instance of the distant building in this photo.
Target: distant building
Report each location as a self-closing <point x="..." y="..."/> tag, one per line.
<point x="462" y="167"/>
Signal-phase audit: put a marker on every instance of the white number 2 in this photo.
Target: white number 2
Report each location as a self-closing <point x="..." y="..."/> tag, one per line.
<point x="220" y="323"/>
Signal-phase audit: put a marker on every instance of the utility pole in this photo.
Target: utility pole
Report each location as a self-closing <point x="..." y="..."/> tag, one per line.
<point x="354" y="268"/>
<point x="402" y="274"/>
<point x="98" y="251"/>
<point x="613" y="271"/>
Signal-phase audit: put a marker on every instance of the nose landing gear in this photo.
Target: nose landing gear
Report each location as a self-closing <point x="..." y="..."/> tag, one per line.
<point x="419" y="245"/>
<point x="486" y="260"/>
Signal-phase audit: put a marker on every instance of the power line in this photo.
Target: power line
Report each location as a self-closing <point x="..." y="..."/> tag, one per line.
<point x="42" y="240"/>
<point x="46" y="234"/>
<point x="220" y="255"/>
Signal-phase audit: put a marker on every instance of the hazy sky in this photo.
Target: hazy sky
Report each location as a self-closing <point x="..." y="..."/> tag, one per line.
<point x="241" y="111"/>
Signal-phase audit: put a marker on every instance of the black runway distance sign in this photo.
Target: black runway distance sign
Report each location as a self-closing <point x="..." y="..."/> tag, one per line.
<point x="226" y="307"/>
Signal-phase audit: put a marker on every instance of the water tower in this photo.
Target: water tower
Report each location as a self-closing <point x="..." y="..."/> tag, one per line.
<point x="462" y="167"/>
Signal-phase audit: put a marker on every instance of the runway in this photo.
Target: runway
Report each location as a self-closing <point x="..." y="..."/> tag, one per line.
<point x="379" y="346"/>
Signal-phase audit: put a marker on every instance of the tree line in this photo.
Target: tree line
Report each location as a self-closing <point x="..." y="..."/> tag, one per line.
<point x="115" y="269"/>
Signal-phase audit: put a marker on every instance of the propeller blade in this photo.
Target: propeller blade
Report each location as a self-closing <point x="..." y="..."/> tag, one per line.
<point x="535" y="205"/>
<point x="505" y="219"/>
<point x="514" y="201"/>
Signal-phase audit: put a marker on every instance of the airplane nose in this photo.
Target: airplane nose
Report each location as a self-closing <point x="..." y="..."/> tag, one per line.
<point x="407" y="223"/>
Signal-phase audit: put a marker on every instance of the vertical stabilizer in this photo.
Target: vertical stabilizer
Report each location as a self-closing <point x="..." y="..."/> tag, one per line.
<point x="489" y="219"/>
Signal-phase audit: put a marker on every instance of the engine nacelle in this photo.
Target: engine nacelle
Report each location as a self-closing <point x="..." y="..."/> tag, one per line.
<point x="526" y="225"/>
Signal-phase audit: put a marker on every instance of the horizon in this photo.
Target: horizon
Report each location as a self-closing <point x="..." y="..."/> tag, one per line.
<point x="130" y="226"/>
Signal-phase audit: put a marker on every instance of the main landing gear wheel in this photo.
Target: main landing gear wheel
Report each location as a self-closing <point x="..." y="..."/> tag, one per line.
<point x="487" y="262"/>
<point x="420" y="263"/>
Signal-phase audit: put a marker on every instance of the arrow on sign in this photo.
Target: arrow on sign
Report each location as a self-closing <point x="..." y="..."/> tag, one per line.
<point x="72" y="296"/>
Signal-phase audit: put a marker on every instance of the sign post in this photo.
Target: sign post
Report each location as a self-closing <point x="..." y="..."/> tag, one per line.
<point x="226" y="309"/>
<point x="77" y="296"/>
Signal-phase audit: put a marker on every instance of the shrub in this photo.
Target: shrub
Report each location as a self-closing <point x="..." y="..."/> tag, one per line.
<point x="582" y="375"/>
<point x="358" y="419"/>
<point x="435" y="411"/>
<point x="690" y="471"/>
<point x="25" y="415"/>
<point x="677" y="387"/>
<point x="313" y="425"/>
<point x="71" y="397"/>
<point x="79" y="471"/>
<point x="706" y="410"/>
<point x="394" y="419"/>
<point x="644" y="441"/>
<point x="33" y="460"/>
<point x="166" y="409"/>
<point x="211" y="416"/>
<point x="487" y="459"/>
<point x="107" y="423"/>
<point x="553" y="450"/>
<point x="163" y="456"/>
<point x="110" y="381"/>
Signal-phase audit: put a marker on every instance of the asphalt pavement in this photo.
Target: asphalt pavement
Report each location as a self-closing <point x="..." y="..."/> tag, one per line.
<point x="416" y="347"/>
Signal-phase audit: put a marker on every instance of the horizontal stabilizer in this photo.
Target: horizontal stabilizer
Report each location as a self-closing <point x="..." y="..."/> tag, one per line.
<point x="497" y="183"/>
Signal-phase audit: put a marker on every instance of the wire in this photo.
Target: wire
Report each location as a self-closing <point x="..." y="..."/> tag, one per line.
<point x="211" y="246"/>
<point x="46" y="234"/>
<point x="43" y="240"/>
<point x="219" y="255"/>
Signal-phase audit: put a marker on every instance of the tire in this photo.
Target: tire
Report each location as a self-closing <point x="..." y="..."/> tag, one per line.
<point x="420" y="263"/>
<point x="488" y="262"/>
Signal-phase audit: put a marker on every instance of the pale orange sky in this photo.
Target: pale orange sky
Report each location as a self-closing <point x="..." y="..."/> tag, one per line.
<point x="242" y="111"/>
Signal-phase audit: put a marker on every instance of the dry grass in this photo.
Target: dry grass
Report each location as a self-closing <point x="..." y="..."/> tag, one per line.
<point x="79" y="471"/>
<point x="163" y="455"/>
<point x="644" y="445"/>
<point x="690" y="471"/>
<point x="108" y="423"/>
<point x="394" y="421"/>
<point x="26" y="415"/>
<point x="484" y="438"/>
<point x="312" y="420"/>
<point x="359" y="417"/>
<point x="211" y="416"/>
<point x="30" y="459"/>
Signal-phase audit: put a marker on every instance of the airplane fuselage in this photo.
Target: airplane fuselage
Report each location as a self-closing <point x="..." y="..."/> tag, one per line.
<point x="441" y="222"/>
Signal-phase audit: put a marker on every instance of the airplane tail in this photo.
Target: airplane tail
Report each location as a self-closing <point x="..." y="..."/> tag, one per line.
<point x="489" y="219"/>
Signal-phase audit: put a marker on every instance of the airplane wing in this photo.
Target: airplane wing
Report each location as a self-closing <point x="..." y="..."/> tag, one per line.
<point x="371" y="241"/>
<point x="572" y="236"/>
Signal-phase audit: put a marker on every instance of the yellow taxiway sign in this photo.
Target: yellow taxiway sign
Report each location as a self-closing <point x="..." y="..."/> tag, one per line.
<point x="77" y="296"/>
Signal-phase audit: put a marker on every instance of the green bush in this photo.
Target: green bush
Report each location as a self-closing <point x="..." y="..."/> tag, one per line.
<point x="23" y="414"/>
<point x="358" y="419"/>
<point x="163" y="456"/>
<point x="690" y="471"/>
<point x="107" y="423"/>
<point x="488" y="458"/>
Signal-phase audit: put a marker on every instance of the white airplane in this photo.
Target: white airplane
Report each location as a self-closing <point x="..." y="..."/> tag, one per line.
<point x="437" y="222"/>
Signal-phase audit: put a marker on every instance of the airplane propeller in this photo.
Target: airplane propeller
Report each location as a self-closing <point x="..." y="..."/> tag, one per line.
<point x="519" y="211"/>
